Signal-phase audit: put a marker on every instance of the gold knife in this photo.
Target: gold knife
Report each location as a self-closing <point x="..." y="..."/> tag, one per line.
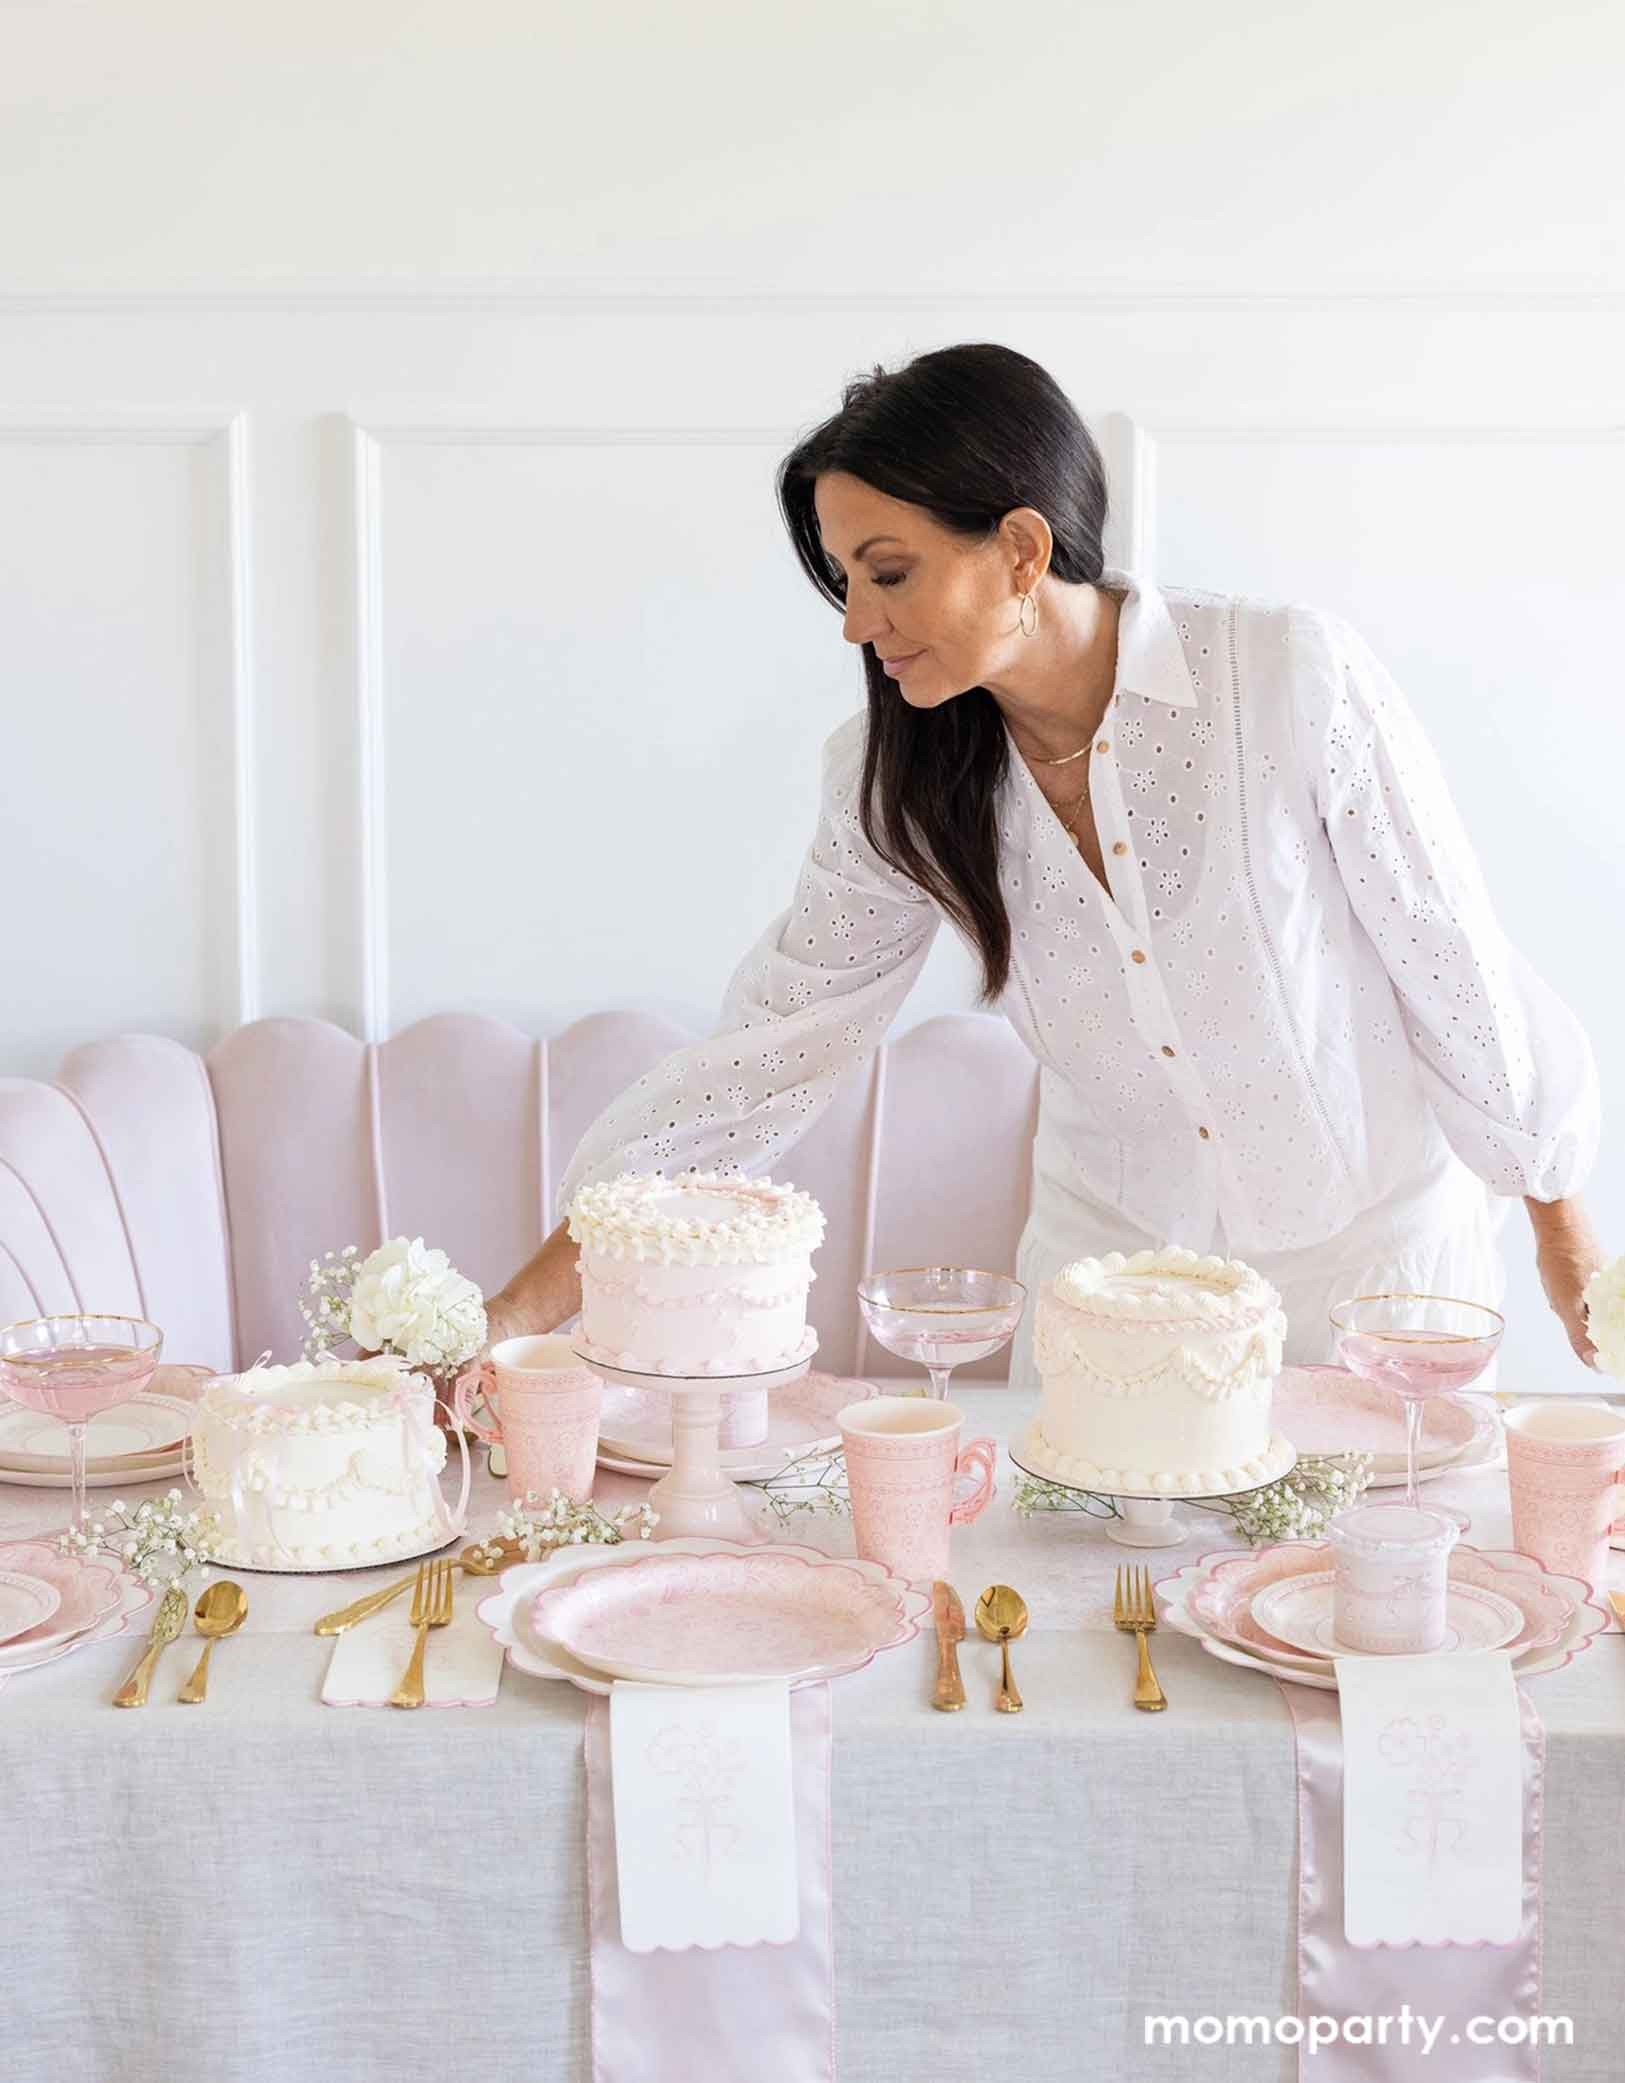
<point x="1618" y="1605"/>
<point x="171" y="1619"/>
<point x="949" y="1691"/>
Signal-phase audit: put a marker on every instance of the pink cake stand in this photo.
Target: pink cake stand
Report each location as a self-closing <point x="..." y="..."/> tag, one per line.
<point x="696" y="1495"/>
<point x="1148" y="1517"/>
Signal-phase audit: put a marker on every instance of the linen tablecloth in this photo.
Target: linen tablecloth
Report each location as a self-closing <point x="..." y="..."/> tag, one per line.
<point x="264" y="1889"/>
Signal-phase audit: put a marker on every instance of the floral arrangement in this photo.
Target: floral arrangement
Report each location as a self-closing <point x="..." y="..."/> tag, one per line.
<point x="405" y="1298"/>
<point x="1295" y="1508"/>
<point x="539" y="1528"/>
<point x="1605" y="1316"/>
<point x="160" y="1540"/>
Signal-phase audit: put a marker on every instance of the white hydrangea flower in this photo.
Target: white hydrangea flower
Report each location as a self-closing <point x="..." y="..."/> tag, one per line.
<point x="409" y="1299"/>
<point x="1605" y="1316"/>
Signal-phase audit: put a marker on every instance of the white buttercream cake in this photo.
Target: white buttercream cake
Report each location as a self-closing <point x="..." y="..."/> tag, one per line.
<point x="327" y="1464"/>
<point x="702" y="1274"/>
<point x="1157" y="1374"/>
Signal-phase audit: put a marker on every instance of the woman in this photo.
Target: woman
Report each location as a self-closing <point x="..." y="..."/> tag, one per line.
<point x="1206" y="859"/>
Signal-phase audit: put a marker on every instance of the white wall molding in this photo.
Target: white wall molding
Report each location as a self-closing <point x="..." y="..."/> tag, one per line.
<point x="227" y="434"/>
<point x="370" y="436"/>
<point x="1137" y="441"/>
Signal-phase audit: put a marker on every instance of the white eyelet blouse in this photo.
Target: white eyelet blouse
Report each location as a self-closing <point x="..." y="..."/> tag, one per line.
<point x="1297" y="981"/>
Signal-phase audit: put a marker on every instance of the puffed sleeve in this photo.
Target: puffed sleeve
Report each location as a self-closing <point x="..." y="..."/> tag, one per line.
<point x="813" y="997"/>
<point x="1506" y="1065"/>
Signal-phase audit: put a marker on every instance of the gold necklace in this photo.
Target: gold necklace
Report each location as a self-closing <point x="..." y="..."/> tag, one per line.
<point x="1065" y="760"/>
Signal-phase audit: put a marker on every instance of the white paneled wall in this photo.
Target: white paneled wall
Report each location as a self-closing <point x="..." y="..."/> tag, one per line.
<point x="394" y="610"/>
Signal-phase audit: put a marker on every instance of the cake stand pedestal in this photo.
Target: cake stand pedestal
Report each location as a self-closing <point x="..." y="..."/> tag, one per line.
<point x="696" y="1495"/>
<point x="1148" y="1517"/>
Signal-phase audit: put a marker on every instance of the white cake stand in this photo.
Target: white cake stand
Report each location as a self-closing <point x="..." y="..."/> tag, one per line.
<point x="696" y="1495"/>
<point x="1148" y="1518"/>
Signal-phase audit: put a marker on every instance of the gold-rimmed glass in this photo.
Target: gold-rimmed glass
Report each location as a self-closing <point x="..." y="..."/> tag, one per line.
<point x="941" y="1317"/>
<point x="1419" y="1346"/>
<point x="72" y="1367"/>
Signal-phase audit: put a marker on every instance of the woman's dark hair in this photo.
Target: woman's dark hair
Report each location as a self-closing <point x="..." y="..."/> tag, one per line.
<point x="967" y="433"/>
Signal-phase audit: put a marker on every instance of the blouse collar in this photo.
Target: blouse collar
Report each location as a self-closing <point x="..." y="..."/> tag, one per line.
<point x="1150" y="657"/>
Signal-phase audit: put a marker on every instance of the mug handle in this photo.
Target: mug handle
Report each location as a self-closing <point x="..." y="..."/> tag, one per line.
<point x="477" y="1378"/>
<point x="980" y="1456"/>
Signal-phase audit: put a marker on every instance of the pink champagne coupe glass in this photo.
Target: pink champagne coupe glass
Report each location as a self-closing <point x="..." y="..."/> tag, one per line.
<point x="941" y="1317"/>
<point x="71" y="1367"/>
<point x="1418" y="1346"/>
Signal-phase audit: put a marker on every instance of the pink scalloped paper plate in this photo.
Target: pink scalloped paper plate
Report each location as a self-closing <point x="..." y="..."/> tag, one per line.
<point x="1328" y="1410"/>
<point x="507" y="1610"/>
<point x="720" y="1619"/>
<point x="86" y="1591"/>
<point x="1222" y="1601"/>
<point x="134" y="1597"/>
<point x="1542" y="1594"/>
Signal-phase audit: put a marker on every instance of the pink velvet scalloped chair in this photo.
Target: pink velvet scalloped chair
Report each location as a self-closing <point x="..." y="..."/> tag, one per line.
<point x="196" y="1190"/>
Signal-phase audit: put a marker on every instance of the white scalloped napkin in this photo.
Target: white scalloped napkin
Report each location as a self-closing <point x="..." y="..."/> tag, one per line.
<point x="1432" y="1799"/>
<point x="462" y="1662"/>
<point x="705" y="1833"/>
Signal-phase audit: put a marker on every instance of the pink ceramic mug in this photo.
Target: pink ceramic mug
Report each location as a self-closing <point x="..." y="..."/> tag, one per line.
<point x="903" y="1459"/>
<point x="547" y="1405"/>
<point x="1563" y="1464"/>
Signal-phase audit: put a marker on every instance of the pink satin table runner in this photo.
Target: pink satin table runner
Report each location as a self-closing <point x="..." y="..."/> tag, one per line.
<point x="1456" y="1984"/>
<point x="733" y="2014"/>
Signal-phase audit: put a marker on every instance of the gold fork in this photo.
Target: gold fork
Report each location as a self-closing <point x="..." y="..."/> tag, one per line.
<point x="431" y="1607"/>
<point x="1134" y="1610"/>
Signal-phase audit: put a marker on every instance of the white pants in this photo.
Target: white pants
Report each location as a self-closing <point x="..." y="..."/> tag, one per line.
<point x="1437" y="1236"/>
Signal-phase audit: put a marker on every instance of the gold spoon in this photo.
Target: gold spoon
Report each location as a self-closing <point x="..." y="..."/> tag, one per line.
<point x="220" y="1611"/>
<point x="1001" y="1615"/>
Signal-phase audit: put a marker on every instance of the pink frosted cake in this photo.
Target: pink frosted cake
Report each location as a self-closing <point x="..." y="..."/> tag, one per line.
<point x="701" y="1274"/>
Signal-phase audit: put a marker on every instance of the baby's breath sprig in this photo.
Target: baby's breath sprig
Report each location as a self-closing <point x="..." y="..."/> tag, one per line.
<point x="1294" y="1508"/>
<point x="160" y="1540"/>
<point x="813" y="1482"/>
<point x="541" y="1527"/>
<point x="1033" y="1494"/>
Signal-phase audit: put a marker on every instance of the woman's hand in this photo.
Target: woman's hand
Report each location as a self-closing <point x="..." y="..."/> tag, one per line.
<point x="1566" y="1255"/>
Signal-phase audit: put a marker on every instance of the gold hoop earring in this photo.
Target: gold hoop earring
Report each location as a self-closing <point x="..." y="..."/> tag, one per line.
<point x="1026" y="602"/>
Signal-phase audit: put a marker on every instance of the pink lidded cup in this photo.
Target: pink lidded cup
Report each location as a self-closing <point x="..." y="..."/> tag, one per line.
<point x="1390" y="1577"/>
<point x="1563" y="1467"/>
<point x="546" y="1404"/>
<point x="904" y="1465"/>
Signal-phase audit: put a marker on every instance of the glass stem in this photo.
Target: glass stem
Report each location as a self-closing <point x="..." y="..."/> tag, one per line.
<point x="76" y="1450"/>
<point x="939" y="1382"/>
<point x="1413" y="1439"/>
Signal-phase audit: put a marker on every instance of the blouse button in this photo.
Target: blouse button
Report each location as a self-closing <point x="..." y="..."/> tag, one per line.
<point x="1166" y="1050"/>
<point x="1105" y="745"/>
<point x="1202" y="1132"/>
<point x="1138" y="955"/>
<point x="1120" y="846"/>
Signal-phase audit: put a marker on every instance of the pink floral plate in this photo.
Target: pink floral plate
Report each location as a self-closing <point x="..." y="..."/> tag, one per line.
<point x="1208" y="1600"/>
<point x="1298" y="1611"/>
<point x="133" y="1598"/>
<point x="507" y="1611"/>
<point x="1328" y="1410"/>
<point x="26" y="1602"/>
<point x="636" y="1426"/>
<point x="85" y="1591"/>
<point x="1221" y="1600"/>
<point x="720" y="1619"/>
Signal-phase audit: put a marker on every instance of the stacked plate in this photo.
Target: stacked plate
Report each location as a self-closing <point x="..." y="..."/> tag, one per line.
<point x="696" y="1611"/>
<point x="1271" y="1610"/>
<point x="1328" y="1410"/>
<point x="634" y="1432"/>
<point x="51" y="1603"/>
<point x="141" y="1441"/>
